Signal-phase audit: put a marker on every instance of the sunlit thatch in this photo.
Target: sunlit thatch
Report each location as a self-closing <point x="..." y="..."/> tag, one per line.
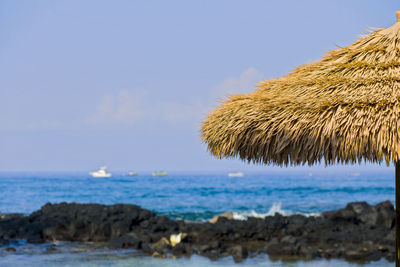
<point x="344" y="108"/>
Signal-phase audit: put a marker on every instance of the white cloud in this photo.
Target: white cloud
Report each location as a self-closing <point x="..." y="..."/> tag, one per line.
<point x="130" y="107"/>
<point x="124" y="107"/>
<point x="246" y="83"/>
<point x="182" y="113"/>
<point x="127" y="107"/>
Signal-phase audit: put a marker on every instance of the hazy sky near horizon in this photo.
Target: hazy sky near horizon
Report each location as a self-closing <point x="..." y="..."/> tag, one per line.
<point x="127" y="83"/>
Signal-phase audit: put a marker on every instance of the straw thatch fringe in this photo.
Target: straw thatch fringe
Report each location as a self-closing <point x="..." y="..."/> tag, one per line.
<point x="344" y="108"/>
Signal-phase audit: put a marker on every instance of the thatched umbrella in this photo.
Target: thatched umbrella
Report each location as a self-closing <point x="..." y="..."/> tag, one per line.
<point x="344" y="108"/>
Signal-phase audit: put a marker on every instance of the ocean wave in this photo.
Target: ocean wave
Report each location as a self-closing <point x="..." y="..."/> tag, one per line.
<point x="275" y="208"/>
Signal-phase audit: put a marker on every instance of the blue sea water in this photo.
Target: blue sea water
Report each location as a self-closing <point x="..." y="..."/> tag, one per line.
<point x="192" y="196"/>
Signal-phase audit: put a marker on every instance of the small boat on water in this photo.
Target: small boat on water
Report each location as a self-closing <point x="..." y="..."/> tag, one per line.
<point x="159" y="173"/>
<point x="132" y="174"/>
<point x="101" y="173"/>
<point x="236" y="174"/>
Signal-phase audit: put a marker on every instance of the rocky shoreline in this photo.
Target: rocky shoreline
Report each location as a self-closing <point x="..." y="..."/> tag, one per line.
<point x="360" y="232"/>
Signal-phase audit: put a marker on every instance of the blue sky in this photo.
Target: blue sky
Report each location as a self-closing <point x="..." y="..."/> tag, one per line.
<point x="127" y="83"/>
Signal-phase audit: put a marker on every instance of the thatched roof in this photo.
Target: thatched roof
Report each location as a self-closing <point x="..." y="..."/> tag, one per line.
<point x="343" y="108"/>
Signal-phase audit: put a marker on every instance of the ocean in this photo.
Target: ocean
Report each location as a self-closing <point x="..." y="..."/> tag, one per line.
<point x="190" y="196"/>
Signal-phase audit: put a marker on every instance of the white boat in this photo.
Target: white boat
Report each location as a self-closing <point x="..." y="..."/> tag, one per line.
<point x="132" y="173"/>
<point x="236" y="174"/>
<point x="101" y="173"/>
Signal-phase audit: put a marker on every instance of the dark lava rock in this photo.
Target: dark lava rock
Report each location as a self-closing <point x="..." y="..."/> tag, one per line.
<point x="87" y="222"/>
<point x="239" y="253"/>
<point x="308" y="253"/>
<point x="125" y="241"/>
<point x="146" y="249"/>
<point x="157" y="254"/>
<point x="51" y="249"/>
<point x="182" y="249"/>
<point x="35" y="239"/>
<point x="359" y="232"/>
<point x="365" y="213"/>
<point x="213" y="254"/>
<point x="11" y="216"/>
<point x="162" y="246"/>
<point x="386" y="215"/>
<point x="356" y="254"/>
<point x="4" y="242"/>
<point x="11" y="249"/>
<point x="289" y="240"/>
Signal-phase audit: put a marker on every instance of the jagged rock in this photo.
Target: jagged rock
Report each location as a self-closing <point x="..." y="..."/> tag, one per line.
<point x="125" y="241"/>
<point x="11" y="216"/>
<point x="35" y="239"/>
<point x="146" y="249"/>
<point x="182" y="249"/>
<point x="308" y="253"/>
<point x="291" y="240"/>
<point x="355" y="254"/>
<point x="159" y="255"/>
<point x="11" y="249"/>
<point x="4" y="242"/>
<point x="161" y="245"/>
<point x="364" y="213"/>
<point x="51" y="249"/>
<point x="359" y="232"/>
<point x="374" y="255"/>
<point x="212" y="245"/>
<point x="86" y="222"/>
<point x="227" y="215"/>
<point x="386" y="215"/>
<point x="239" y="253"/>
<point x="390" y="237"/>
<point x="213" y="254"/>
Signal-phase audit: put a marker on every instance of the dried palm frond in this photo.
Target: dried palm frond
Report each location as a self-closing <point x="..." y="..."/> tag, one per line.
<point x="343" y="108"/>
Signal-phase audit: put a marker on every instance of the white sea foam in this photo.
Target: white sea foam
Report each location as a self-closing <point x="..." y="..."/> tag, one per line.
<point x="275" y="208"/>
